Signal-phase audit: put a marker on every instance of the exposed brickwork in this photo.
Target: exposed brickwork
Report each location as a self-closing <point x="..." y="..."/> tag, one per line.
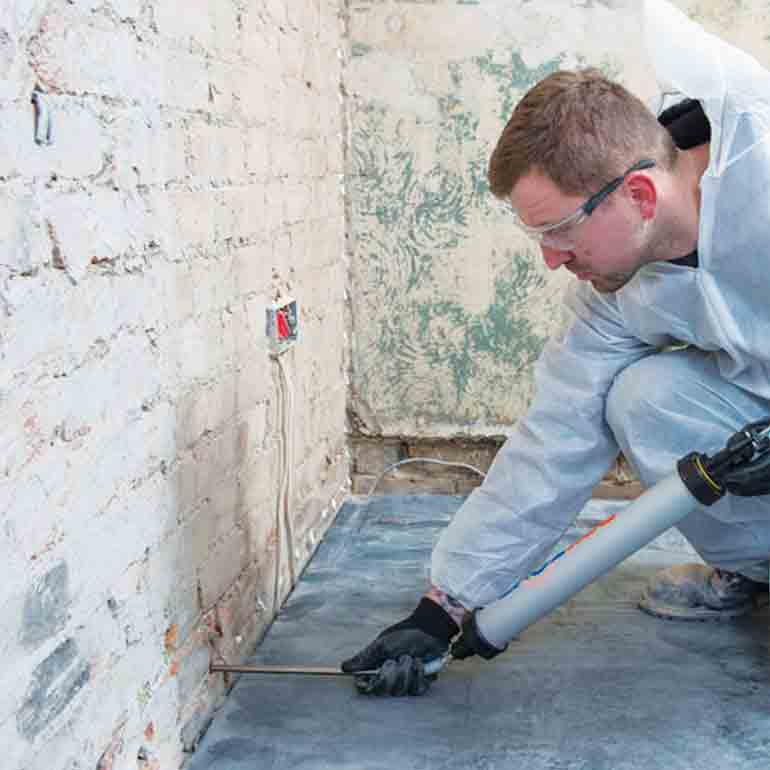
<point x="195" y="174"/>
<point x="372" y="456"/>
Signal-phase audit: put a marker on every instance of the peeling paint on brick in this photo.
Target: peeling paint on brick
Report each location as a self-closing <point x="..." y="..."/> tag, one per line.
<point x="54" y="685"/>
<point x="114" y="750"/>
<point x="170" y="639"/>
<point x="197" y="165"/>
<point x="46" y="607"/>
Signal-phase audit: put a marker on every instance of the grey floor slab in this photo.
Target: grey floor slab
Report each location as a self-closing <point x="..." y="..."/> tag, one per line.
<point x="596" y="686"/>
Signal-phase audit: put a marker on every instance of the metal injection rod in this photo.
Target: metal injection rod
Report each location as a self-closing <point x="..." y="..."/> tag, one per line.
<point x="216" y="668"/>
<point x="431" y="667"/>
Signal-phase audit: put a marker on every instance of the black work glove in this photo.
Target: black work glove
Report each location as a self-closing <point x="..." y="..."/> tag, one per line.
<point x="400" y="653"/>
<point x="473" y="642"/>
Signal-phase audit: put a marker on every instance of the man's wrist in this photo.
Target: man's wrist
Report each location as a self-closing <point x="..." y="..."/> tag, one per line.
<point x="451" y="606"/>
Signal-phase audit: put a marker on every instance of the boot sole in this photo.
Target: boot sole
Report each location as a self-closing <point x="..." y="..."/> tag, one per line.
<point x="672" y="612"/>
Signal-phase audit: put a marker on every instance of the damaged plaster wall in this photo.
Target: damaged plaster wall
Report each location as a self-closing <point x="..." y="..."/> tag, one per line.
<point x="451" y="305"/>
<point x="195" y="174"/>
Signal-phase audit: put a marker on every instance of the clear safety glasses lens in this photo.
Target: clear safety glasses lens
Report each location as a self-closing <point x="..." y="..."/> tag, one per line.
<point x="557" y="236"/>
<point x="576" y="217"/>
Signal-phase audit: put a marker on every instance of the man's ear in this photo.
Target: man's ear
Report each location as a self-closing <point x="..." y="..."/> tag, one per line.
<point x="643" y="192"/>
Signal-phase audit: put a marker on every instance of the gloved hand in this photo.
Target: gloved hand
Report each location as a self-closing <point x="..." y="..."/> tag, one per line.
<point x="401" y="651"/>
<point x="472" y="642"/>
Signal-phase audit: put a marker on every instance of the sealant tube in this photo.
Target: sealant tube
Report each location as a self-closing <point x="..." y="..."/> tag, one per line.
<point x="605" y="546"/>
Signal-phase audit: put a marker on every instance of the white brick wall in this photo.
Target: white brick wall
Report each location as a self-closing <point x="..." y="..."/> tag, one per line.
<point x="195" y="173"/>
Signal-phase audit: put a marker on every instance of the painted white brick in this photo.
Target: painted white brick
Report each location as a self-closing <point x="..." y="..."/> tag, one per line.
<point x="22" y="19"/>
<point x="124" y="530"/>
<point x="64" y="431"/>
<point x="229" y="336"/>
<point x="24" y="245"/>
<point x="292" y="52"/>
<point x="116" y="459"/>
<point x="251" y="266"/>
<point x="213" y="285"/>
<point x="253" y="381"/>
<point x="214" y="331"/>
<point x="256" y="308"/>
<point x="149" y="148"/>
<point x="239" y="213"/>
<point x="192" y="416"/>
<point x="19" y="504"/>
<point x="258" y="152"/>
<point x="286" y="160"/>
<point x="298" y="202"/>
<point x="335" y="158"/>
<point x="273" y="211"/>
<point x="126" y="9"/>
<point x="80" y="141"/>
<point x="253" y="429"/>
<point x="329" y="26"/>
<point x="289" y="115"/>
<point x="40" y="347"/>
<point x="312" y="72"/>
<point x="190" y="351"/>
<point x="95" y="227"/>
<point x="276" y="10"/>
<point x="217" y="152"/>
<point x="161" y="214"/>
<point x="226" y="561"/>
<point x="192" y="28"/>
<point x="228" y="83"/>
<point x="137" y="389"/>
<point x="16" y="78"/>
<point x="171" y="582"/>
<point x="185" y="81"/>
<point x="256" y="35"/>
<point x="256" y="101"/>
<point x="205" y="409"/>
<point x="16" y="751"/>
<point x="180" y="289"/>
<point x="261" y="520"/>
<point x="227" y="37"/>
<point x="194" y="211"/>
<point x="87" y="53"/>
<point x="304" y="15"/>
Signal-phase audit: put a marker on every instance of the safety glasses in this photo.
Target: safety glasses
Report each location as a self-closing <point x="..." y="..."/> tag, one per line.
<point x="560" y="235"/>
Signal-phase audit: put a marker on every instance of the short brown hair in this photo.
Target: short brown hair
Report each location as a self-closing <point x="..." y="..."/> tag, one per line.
<point x="579" y="129"/>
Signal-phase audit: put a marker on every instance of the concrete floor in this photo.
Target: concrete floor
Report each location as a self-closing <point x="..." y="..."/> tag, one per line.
<point x="596" y="686"/>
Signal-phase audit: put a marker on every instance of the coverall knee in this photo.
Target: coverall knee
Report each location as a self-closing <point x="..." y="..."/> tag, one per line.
<point x="672" y="403"/>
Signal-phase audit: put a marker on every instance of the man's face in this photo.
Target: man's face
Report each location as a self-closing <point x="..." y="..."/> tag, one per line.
<point x="605" y="249"/>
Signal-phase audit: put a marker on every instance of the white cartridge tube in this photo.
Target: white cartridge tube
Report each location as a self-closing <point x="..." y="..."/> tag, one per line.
<point x="651" y="514"/>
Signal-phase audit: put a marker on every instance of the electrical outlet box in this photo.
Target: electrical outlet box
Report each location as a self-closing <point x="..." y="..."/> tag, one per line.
<point x="282" y="324"/>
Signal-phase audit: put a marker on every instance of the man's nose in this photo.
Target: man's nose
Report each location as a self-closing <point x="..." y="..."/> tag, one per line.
<point x="555" y="258"/>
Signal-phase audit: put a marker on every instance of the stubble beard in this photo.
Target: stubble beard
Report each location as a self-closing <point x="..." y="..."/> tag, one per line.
<point x="612" y="282"/>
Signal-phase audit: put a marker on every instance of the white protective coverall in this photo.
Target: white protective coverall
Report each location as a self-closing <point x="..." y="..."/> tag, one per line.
<point x="604" y="386"/>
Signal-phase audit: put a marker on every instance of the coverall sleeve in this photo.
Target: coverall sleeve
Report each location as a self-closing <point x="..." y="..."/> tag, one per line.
<point x="545" y="472"/>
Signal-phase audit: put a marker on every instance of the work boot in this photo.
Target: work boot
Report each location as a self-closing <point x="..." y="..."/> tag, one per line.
<point x="700" y="592"/>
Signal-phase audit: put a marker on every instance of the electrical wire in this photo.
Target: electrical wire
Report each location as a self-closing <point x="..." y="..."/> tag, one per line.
<point x="288" y="487"/>
<point x="286" y="477"/>
<point x="423" y="460"/>
<point x="278" y="544"/>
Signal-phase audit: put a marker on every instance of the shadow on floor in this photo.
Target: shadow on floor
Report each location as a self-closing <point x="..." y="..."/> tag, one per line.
<point x="596" y="686"/>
